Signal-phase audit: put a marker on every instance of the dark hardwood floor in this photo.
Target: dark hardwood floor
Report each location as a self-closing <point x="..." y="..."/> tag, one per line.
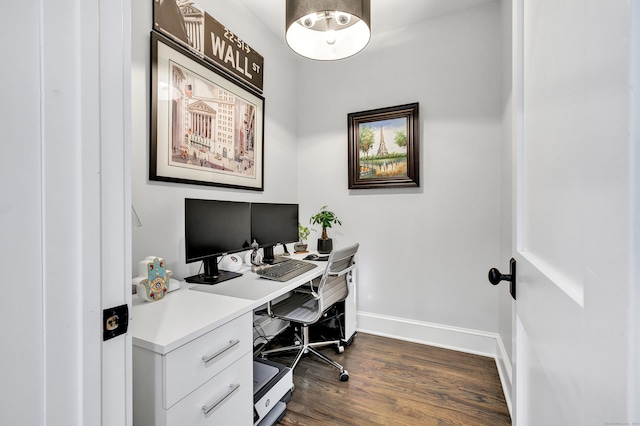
<point x="393" y="382"/>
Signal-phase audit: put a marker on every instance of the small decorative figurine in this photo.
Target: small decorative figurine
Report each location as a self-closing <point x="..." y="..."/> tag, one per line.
<point x="253" y="258"/>
<point x="154" y="286"/>
<point x="256" y="257"/>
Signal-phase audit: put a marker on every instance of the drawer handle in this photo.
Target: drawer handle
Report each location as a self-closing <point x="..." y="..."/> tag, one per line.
<point x="210" y="358"/>
<point x="210" y="408"/>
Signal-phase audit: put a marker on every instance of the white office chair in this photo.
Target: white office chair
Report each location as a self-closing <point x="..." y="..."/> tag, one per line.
<point x="307" y="304"/>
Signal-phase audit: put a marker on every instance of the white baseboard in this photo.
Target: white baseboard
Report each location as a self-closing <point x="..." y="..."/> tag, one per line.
<point x="444" y="336"/>
<point x="504" y="371"/>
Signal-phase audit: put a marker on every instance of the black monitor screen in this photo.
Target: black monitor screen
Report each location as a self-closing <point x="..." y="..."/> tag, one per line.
<point x="213" y="228"/>
<point x="272" y="224"/>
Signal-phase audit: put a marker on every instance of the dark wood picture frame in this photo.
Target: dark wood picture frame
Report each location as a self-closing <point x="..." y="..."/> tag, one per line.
<point x="206" y="128"/>
<point x="396" y="161"/>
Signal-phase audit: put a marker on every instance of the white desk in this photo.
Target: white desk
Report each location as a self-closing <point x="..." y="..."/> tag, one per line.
<point x="171" y="382"/>
<point x="259" y="290"/>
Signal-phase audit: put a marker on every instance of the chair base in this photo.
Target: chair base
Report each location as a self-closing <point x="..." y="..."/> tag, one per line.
<point x="306" y="347"/>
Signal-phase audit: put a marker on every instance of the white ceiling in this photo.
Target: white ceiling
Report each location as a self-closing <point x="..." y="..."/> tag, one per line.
<point x="386" y="15"/>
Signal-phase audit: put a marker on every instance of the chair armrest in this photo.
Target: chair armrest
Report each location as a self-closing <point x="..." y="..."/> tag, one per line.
<point x="344" y="271"/>
<point x="309" y="290"/>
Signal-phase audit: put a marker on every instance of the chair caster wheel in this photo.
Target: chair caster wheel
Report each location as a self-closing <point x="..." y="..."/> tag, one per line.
<point x="339" y="349"/>
<point x="344" y="376"/>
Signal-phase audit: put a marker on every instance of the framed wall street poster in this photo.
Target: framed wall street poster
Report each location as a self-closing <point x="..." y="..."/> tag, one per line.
<point x="206" y="129"/>
<point x="384" y="148"/>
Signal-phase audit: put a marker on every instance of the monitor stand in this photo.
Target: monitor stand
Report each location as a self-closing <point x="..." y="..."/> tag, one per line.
<point x="212" y="275"/>
<point x="270" y="259"/>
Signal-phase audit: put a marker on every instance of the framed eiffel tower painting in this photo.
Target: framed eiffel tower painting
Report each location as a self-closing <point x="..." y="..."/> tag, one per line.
<point x="384" y="148"/>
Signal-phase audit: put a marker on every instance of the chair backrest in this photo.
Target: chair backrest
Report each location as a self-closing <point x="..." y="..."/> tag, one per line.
<point x="334" y="283"/>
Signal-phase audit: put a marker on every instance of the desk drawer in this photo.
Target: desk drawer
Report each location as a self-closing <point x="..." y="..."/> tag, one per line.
<point x="229" y="396"/>
<point x="185" y="368"/>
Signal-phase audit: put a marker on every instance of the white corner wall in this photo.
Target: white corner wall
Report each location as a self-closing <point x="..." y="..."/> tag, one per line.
<point x="425" y="252"/>
<point x="506" y="331"/>
<point x="160" y="205"/>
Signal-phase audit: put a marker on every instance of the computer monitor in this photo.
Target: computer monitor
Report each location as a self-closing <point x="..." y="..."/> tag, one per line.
<point x="273" y="224"/>
<point x="215" y="228"/>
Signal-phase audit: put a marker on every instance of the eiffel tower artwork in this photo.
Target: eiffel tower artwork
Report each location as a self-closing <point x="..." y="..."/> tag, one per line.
<point x="382" y="148"/>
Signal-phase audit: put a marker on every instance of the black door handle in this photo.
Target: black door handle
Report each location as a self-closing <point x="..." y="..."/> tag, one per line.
<point x="495" y="277"/>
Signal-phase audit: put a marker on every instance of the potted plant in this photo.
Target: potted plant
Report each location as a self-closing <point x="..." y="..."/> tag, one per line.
<point x="303" y="234"/>
<point x="325" y="218"/>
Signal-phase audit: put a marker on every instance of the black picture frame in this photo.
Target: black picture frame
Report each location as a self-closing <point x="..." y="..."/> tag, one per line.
<point x="391" y="166"/>
<point x="206" y="128"/>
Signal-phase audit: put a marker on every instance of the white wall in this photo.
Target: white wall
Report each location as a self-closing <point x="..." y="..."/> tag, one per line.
<point x="425" y="252"/>
<point x="160" y="205"/>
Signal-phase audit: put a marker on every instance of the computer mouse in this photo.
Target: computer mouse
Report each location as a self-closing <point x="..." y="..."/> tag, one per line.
<point x="311" y="257"/>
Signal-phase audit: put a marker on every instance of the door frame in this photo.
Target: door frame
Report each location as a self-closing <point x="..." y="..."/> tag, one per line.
<point x="104" y="48"/>
<point x="85" y="164"/>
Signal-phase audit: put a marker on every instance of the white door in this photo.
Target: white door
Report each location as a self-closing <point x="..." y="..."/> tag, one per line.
<point x="64" y="211"/>
<point x="574" y="350"/>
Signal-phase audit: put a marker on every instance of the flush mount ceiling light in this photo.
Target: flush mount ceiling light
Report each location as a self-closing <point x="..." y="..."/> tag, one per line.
<point x="327" y="30"/>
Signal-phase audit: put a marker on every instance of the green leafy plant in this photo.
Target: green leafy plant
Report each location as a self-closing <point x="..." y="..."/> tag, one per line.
<point x="325" y="218"/>
<point x="303" y="232"/>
